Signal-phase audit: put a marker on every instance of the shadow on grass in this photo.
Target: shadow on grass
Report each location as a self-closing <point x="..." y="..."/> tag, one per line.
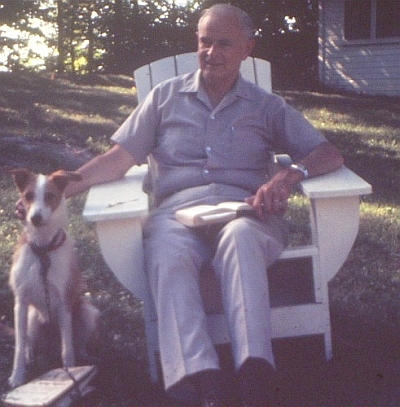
<point x="360" y="374"/>
<point x="365" y="369"/>
<point x="44" y="119"/>
<point x="377" y="161"/>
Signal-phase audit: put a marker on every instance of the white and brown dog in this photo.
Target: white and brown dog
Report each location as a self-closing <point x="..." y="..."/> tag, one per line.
<point x="44" y="275"/>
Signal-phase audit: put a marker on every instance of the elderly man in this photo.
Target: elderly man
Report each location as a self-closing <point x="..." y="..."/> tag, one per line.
<point x="211" y="135"/>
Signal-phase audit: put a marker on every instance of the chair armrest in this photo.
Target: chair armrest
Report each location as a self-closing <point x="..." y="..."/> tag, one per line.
<point x="121" y="199"/>
<point x="125" y="198"/>
<point x="340" y="183"/>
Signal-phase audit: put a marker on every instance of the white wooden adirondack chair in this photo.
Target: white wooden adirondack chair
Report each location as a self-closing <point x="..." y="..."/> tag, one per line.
<point x="118" y="209"/>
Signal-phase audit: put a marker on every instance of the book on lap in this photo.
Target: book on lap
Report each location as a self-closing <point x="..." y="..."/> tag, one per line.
<point x="223" y="212"/>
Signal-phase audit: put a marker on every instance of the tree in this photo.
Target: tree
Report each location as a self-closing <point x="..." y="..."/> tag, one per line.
<point x="16" y="17"/>
<point x="120" y="35"/>
<point x="287" y="35"/>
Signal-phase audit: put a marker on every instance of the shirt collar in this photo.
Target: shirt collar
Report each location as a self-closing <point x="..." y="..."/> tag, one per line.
<point x="242" y="88"/>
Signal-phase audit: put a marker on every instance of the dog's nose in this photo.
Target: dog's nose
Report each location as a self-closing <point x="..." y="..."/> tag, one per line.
<point x="36" y="219"/>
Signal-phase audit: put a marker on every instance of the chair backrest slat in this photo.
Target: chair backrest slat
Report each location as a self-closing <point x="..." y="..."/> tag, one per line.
<point x="186" y="63"/>
<point x="146" y="77"/>
<point x="247" y="70"/>
<point x="143" y="81"/>
<point x="162" y="69"/>
<point x="262" y="70"/>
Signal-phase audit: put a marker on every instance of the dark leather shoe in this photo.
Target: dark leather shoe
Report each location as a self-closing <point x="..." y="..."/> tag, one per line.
<point x="255" y="379"/>
<point x="209" y="384"/>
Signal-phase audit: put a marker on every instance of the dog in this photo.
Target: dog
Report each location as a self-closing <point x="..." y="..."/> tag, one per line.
<point x="44" y="276"/>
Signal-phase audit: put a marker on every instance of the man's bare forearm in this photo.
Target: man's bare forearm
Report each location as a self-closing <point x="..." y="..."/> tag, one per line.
<point x="322" y="160"/>
<point x="107" y="167"/>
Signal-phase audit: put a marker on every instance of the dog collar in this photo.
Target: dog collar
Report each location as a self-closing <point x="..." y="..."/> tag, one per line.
<point x="57" y="241"/>
<point x="41" y="251"/>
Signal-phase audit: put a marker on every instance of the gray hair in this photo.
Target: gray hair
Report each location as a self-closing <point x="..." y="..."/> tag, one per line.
<point x="244" y="20"/>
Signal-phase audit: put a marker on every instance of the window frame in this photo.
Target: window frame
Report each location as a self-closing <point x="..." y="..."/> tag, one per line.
<point x="373" y="38"/>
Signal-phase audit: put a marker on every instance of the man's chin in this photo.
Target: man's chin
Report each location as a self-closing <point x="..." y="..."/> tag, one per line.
<point x="211" y="75"/>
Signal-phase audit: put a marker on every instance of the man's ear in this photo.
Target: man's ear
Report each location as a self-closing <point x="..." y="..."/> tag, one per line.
<point x="249" y="47"/>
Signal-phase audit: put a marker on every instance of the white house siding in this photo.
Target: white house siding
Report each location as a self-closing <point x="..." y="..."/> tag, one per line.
<point x="362" y="66"/>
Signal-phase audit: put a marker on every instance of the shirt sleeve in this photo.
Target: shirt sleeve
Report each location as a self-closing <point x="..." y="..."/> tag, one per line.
<point x="137" y="134"/>
<point x="294" y="134"/>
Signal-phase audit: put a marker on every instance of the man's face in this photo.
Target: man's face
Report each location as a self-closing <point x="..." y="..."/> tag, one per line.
<point x="222" y="46"/>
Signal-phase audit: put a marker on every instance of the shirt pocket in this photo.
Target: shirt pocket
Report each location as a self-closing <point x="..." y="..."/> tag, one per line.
<point x="249" y="147"/>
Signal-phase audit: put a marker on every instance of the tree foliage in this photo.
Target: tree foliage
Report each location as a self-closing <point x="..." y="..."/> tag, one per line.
<point x="119" y="35"/>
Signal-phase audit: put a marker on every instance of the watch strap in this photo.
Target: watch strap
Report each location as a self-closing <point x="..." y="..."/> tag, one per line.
<point x="302" y="168"/>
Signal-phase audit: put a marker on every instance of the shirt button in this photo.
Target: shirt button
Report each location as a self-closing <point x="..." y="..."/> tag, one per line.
<point x="208" y="148"/>
<point x="212" y="117"/>
<point x="206" y="171"/>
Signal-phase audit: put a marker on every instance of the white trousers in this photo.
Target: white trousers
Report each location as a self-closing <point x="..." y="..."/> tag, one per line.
<point x="240" y="253"/>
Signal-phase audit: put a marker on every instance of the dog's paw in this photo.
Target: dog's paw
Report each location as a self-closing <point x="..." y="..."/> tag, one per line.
<point x="16" y="379"/>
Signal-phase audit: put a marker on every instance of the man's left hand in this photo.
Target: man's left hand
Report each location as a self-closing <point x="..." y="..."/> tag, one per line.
<point x="272" y="197"/>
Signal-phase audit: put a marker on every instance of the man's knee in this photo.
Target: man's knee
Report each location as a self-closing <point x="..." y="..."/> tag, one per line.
<point x="238" y="231"/>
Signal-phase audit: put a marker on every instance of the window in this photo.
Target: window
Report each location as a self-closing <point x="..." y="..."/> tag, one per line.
<point x="387" y="18"/>
<point x="357" y="19"/>
<point x="371" y="19"/>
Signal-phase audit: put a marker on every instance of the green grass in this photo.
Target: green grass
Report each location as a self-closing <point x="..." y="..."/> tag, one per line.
<point x="83" y="113"/>
<point x="367" y="131"/>
<point x="81" y="116"/>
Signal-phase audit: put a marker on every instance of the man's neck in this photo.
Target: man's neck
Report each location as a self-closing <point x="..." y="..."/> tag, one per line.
<point x="215" y="97"/>
<point x="217" y="91"/>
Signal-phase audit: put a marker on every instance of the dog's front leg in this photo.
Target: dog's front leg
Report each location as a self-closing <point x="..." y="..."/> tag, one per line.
<point x="20" y="325"/>
<point x="67" y="341"/>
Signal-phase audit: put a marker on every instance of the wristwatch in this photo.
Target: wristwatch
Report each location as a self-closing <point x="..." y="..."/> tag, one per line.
<point x="301" y="168"/>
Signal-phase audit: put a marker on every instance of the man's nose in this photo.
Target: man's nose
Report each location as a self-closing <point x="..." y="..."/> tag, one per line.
<point x="212" y="50"/>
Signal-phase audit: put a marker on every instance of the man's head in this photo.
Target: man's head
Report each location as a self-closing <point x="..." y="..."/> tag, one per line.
<point x="225" y="38"/>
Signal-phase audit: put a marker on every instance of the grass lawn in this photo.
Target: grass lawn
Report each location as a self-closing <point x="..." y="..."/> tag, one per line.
<point x="47" y="124"/>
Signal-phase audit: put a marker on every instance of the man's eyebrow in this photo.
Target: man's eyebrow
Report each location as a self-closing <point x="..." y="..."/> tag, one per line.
<point x="223" y="41"/>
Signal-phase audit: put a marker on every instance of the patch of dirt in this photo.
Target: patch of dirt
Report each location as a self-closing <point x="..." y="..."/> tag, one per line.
<point x="19" y="151"/>
<point x="356" y="377"/>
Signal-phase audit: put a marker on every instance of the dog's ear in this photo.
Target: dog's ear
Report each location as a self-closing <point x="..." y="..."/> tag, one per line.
<point x="61" y="178"/>
<point x="22" y="177"/>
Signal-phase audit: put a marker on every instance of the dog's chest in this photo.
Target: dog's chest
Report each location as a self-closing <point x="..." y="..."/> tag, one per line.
<point x="33" y="281"/>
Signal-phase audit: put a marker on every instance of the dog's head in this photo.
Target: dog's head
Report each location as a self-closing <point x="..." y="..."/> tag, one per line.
<point x="42" y="194"/>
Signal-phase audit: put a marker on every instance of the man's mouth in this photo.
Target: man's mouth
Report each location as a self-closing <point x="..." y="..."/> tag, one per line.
<point x="212" y="64"/>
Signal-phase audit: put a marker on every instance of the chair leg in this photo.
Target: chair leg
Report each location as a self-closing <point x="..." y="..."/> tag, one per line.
<point x="328" y="345"/>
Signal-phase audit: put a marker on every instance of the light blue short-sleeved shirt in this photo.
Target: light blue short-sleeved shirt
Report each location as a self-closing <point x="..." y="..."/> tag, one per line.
<point x="194" y="144"/>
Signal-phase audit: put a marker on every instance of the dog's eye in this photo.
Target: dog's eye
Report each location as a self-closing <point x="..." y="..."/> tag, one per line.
<point x="29" y="196"/>
<point x="49" y="197"/>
